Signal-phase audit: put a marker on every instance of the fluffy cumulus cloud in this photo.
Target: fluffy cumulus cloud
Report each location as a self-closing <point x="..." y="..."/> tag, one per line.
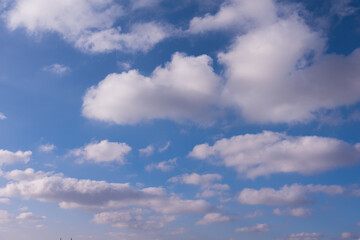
<point x="72" y="193"/>
<point x="292" y="195"/>
<point x="206" y="183"/>
<point x="164" y="166"/>
<point x="89" y="24"/>
<point x="211" y="218"/>
<point x="132" y="219"/>
<point x="8" y="157"/>
<point x="268" y="84"/>
<point x="102" y="152"/>
<point x="184" y="89"/>
<point x="295" y="212"/>
<point x="241" y="14"/>
<point x="254" y="155"/>
<point x="258" y="228"/>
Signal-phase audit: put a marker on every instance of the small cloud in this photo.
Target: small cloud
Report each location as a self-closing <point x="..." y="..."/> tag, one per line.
<point x="56" y="69"/>
<point x="164" y="166"/>
<point x="2" y="116"/>
<point x="164" y="148"/>
<point x="258" y="228"/>
<point x="304" y="236"/>
<point x="29" y="216"/>
<point x="23" y="209"/>
<point x="211" y="218"/>
<point x="254" y="214"/>
<point x="4" y="200"/>
<point x="123" y="65"/>
<point x="148" y="151"/>
<point x="47" y="147"/>
<point x="295" y="212"/>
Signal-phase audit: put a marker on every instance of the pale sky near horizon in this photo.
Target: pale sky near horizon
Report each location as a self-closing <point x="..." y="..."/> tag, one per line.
<point x="190" y="119"/>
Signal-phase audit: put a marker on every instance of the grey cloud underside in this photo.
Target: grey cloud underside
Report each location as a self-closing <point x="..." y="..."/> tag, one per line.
<point x="94" y="195"/>
<point x="263" y="154"/>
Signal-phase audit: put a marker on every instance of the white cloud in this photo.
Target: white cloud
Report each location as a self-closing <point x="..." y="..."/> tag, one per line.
<point x="2" y="116"/>
<point x="91" y="195"/>
<point x="165" y="147"/>
<point x="164" y="166"/>
<point x="183" y="89"/>
<point x="7" y="157"/>
<point x="89" y="24"/>
<point x="343" y="8"/>
<point x="196" y="179"/>
<point x="206" y="182"/>
<point x="305" y="236"/>
<point x="211" y="218"/>
<point x="268" y="84"/>
<point x="286" y="196"/>
<point x="258" y="228"/>
<point x="144" y="3"/>
<point x="236" y="14"/>
<point x="102" y="152"/>
<point x="4" y="200"/>
<point x="56" y="69"/>
<point x="254" y="155"/>
<point x="148" y="151"/>
<point x="349" y="235"/>
<point x="295" y="212"/>
<point x="132" y="220"/>
<point x="47" y="147"/>
<point x="255" y="214"/>
<point x="142" y="37"/>
<point x="29" y="216"/>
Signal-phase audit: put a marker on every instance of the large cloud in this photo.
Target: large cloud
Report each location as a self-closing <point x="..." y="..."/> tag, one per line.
<point x="292" y="195"/>
<point x="254" y="155"/>
<point x="89" y="24"/>
<point x="93" y="195"/>
<point x="184" y="89"/>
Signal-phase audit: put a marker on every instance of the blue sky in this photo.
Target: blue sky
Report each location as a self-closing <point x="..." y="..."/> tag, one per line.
<point x="160" y="119"/>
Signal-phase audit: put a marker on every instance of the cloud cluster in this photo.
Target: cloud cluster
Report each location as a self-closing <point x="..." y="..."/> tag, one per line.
<point x="261" y="82"/>
<point x="254" y="155"/>
<point x="102" y="152"/>
<point x="8" y="157"/>
<point x="184" y="89"/>
<point x="305" y="236"/>
<point x="88" y="24"/>
<point x="132" y="219"/>
<point x="92" y="195"/>
<point x="292" y="195"/>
